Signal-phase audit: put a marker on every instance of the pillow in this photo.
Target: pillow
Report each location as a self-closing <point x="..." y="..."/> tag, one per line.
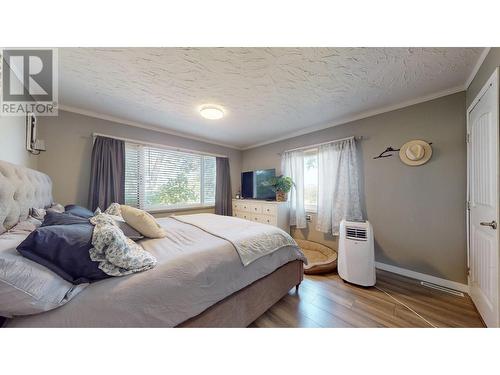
<point x="64" y="249"/>
<point x="34" y="221"/>
<point x="56" y="207"/>
<point x="117" y="255"/>
<point x="43" y="290"/>
<point x="113" y="209"/>
<point x="67" y="218"/>
<point x="56" y="218"/>
<point x="26" y="226"/>
<point x="78" y="211"/>
<point x="38" y="213"/>
<point x="142" y="222"/>
<point x="127" y="230"/>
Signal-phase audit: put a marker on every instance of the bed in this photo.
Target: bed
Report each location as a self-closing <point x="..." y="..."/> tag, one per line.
<point x="199" y="280"/>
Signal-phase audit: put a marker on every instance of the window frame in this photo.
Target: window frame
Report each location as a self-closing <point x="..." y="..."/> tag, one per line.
<point x="141" y="176"/>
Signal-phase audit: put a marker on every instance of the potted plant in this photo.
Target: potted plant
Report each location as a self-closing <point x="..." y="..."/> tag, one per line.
<point x="281" y="185"/>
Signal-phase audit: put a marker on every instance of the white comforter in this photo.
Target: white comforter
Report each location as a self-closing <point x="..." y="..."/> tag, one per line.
<point x="195" y="270"/>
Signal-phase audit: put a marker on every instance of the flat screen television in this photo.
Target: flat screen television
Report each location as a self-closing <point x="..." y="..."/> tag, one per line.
<point x="253" y="187"/>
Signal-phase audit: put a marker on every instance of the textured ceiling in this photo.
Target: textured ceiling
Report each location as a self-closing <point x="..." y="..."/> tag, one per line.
<point x="267" y="93"/>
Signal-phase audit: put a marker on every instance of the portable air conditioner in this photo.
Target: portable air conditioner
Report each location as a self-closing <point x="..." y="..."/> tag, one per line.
<point x="356" y="258"/>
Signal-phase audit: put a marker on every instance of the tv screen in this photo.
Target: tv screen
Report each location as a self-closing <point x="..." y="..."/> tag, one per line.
<point x="253" y="184"/>
<point x="247" y="185"/>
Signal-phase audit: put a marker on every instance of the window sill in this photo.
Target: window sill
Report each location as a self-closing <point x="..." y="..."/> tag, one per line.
<point x="179" y="209"/>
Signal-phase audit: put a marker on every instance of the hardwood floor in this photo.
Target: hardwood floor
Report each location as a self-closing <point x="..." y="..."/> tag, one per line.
<point x="326" y="301"/>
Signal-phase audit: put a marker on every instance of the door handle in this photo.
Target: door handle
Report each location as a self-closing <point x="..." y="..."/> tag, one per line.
<point x="492" y="224"/>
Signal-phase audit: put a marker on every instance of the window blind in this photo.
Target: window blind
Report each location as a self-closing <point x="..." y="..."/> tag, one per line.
<point x="157" y="178"/>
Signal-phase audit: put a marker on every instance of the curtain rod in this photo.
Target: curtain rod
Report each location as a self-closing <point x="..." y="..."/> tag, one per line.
<point x="323" y="143"/>
<point x="158" y="145"/>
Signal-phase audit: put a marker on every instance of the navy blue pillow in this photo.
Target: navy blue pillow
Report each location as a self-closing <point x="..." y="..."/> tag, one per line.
<point x="78" y="211"/>
<point x="58" y="218"/>
<point x="64" y="249"/>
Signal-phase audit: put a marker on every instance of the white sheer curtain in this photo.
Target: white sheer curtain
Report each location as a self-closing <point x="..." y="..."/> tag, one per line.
<point x="292" y="165"/>
<point x="338" y="185"/>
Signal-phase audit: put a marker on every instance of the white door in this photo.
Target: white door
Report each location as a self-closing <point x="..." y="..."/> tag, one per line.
<point x="482" y="129"/>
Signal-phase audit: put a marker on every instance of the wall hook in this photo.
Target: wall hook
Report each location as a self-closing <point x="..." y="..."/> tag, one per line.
<point x="386" y="153"/>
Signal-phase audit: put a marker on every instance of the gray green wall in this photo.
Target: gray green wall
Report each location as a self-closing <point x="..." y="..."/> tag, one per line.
<point x="418" y="213"/>
<point x="490" y="63"/>
<point x="68" y="138"/>
<point x="13" y="142"/>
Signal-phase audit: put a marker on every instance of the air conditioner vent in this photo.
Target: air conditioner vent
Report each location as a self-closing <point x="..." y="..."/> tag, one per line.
<point x="354" y="233"/>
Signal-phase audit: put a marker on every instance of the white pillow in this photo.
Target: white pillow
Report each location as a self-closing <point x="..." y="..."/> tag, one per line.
<point x="56" y="207"/>
<point x="27" y="287"/>
<point x="142" y="222"/>
<point x="26" y="226"/>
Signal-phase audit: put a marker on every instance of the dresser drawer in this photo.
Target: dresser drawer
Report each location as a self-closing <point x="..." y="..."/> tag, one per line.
<point x="255" y="217"/>
<point x="269" y="209"/>
<point x="242" y="214"/>
<point x="264" y="219"/>
<point x="244" y="206"/>
<point x="265" y="212"/>
<point x="238" y="206"/>
<point x="271" y="220"/>
<point x="255" y="208"/>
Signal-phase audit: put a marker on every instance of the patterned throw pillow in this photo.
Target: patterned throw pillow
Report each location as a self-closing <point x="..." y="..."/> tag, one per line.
<point x="38" y="213"/>
<point x="113" y="209"/>
<point x="117" y="255"/>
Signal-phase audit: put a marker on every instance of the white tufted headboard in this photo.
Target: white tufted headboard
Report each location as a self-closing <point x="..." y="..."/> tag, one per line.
<point x="21" y="188"/>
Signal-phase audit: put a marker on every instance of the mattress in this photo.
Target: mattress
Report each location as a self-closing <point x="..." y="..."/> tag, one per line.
<point x="195" y="270"/>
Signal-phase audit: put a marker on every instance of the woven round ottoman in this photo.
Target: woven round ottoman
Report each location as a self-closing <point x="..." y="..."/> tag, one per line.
<point x="320" y="258"/>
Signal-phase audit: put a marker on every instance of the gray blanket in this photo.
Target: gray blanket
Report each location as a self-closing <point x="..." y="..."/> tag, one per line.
<point x="250" y="239"/>
<point x="195" y="270"/>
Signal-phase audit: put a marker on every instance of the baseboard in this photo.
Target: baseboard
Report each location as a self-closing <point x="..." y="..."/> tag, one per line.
<point x="423" y="277"/>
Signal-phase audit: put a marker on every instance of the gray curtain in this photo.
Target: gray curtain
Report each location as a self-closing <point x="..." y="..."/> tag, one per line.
<point x="223" y="195"/>
<point x="107" y="173"/>
<point x="338" y="185"/>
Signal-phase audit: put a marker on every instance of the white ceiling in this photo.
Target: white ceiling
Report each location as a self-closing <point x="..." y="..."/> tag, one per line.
<point x="267" y="93"/>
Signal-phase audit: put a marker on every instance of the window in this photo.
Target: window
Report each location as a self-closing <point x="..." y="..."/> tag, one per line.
<point x="311" y="179"/>
<point x="158" y="178"/>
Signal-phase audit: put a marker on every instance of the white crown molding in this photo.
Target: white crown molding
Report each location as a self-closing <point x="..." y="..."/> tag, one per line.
<point x="118" y="120"/>
<point x="423" y="277"/>
<point x="476" y="68"/>
<point x="362" y="115"/>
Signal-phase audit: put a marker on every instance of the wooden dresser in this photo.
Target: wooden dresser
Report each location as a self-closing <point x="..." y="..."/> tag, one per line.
<point x="266" y="212"/>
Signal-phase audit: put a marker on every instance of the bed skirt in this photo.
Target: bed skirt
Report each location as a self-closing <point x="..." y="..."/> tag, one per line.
<point x="243" y="307"/>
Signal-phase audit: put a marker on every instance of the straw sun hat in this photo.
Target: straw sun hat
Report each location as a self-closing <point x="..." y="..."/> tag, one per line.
<point x="415" y="152"/>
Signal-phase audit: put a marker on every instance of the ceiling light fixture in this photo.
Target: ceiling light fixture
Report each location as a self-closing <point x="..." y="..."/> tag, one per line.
<point x="211" y="112"/>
